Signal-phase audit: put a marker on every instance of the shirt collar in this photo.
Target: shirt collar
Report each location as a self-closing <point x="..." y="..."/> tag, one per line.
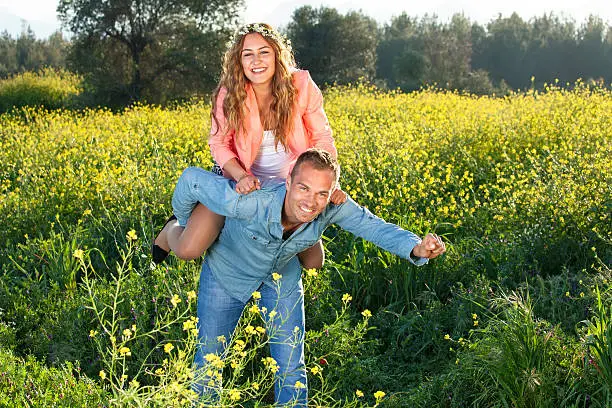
<point x="276" y="211"/>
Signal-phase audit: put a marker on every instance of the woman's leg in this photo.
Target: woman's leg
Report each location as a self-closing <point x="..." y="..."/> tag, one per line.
<point x="197" y="236"/>
<point x="313" y="257"/>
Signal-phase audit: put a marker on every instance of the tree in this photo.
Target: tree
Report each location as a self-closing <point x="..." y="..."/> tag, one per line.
<point x="448" y="49"/>
<point x="400" y="61"/>
<point x="591" y="49"/>
<point x="335" y="48"/>
<point x="139" y="45"/>
<point x="413" y="53"/>
<point x="27" y="53"/>
<point x="506" y="52"/>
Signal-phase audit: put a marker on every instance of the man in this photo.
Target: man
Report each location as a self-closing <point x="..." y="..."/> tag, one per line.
<point x="263" y="232"/>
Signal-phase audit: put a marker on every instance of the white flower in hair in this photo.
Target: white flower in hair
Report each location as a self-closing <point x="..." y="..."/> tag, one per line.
<point x="264" y="31"/>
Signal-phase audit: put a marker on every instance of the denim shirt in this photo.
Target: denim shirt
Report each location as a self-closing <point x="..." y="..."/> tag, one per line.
<point x="251" y="247"/>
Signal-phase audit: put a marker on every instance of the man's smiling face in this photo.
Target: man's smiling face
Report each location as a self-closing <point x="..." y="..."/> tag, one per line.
<point x="308" y="193"/>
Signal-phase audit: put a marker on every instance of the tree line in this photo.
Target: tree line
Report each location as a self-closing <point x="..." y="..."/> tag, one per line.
<point x="159" y="51"/>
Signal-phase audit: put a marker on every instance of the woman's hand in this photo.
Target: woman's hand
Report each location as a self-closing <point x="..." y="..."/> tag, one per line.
<point x="338" y="196"/>
<point x="247" y="183"/>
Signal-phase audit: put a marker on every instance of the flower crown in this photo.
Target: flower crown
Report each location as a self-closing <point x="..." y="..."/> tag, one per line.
<point x="264" y="31"/>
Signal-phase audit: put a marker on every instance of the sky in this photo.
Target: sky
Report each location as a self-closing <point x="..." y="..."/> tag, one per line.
<point x="41" y="14"/>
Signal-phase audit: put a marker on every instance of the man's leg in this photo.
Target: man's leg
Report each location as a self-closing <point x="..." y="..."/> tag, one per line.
<point x="286" y="331"/>
<point x="218" y="315"/>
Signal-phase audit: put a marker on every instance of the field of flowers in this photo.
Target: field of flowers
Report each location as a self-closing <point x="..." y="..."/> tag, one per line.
<point x="516" y="314"/>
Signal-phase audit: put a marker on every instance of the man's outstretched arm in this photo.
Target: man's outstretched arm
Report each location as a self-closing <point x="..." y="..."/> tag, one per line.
<point x="390" y="237"/>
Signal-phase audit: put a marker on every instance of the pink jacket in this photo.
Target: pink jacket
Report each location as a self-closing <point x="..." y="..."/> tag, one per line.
<point x="310" y="126"/>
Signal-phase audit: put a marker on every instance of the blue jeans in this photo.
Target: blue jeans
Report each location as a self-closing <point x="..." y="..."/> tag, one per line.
<point x="218" y="315"/>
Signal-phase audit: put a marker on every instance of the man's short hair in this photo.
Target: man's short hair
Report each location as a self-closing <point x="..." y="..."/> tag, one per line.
<point x="320" y="160"/>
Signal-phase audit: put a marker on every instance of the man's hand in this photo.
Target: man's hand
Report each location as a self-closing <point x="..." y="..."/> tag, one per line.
<point x="247" y="184"/>
<point x="338" y="196"/>
<point x="430" y="247"/>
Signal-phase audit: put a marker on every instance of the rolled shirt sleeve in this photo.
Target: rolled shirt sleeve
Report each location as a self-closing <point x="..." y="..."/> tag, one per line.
<point x="390" y="237"/>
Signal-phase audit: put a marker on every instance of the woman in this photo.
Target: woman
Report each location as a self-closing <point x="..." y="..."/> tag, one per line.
<point x="265" y="113"/>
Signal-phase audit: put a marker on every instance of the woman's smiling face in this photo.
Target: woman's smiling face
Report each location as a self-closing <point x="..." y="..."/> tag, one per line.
<point x="258" y="59"/>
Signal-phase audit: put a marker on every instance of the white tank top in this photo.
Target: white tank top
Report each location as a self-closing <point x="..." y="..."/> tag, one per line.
<point x="272" y="161"/>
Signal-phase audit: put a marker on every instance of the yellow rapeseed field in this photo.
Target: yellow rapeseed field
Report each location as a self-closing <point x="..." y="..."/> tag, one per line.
<point x="484" y="171"/>
<point x="474" y="164"/>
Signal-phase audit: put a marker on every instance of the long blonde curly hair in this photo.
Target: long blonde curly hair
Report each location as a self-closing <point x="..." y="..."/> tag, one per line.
<point x="233" y="79"/>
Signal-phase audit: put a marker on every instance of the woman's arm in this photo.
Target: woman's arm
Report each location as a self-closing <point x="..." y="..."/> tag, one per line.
<point x="245" y="181"/>
<point x="221" y="139"/>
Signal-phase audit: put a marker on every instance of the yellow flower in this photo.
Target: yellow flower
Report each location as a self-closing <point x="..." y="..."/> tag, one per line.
<point x="315" y="370"/>
<point x="239" y="345"/>
<point x="276" y="276"/>
<point x="221" y="339"/>
<point x="299" y="385"/>
<point x="131" y="235"/>
<point x="78" y="253"/>
<point x="359" y="393"/>
<point x="567" y="294"/>
<point x="234" y="395"/>
<point x="159" y="371"/>
<point x="581" y="294"/>
<point x="254" y="309"/>
<point x="475" y="323"/>
<point x="474" y="316"/>
<point x="312" y="272"/>
<point x="249" y="329"/>
<point x="260" y="329"/>
<point x="134" y="384"/>
<point x="188" y="325"/>
<point x="168" y="347"/>
<point x="270" y="363"/>
<point x="272" y="314"/>
<point x="175" y="300"/>
<point x="256" y="295"/>
<point x="102" y="374"/>
<point x="255" y="386"/>
<point x="191" y="295"/>
<point x="86" y="212"/>
<point x="366" y="313"/>
<point x="379" y="395"/>
<point x="346" y="298"/>
<point x="447" y="337"/>
<point x="125" y="351"/>
<point x="127" y="333"/>
<point x="92" y="333"/>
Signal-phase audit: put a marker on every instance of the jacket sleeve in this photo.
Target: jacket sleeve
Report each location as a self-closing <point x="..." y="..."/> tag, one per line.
<point x="220" y="140"/>
<point x="314" y="117"/>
